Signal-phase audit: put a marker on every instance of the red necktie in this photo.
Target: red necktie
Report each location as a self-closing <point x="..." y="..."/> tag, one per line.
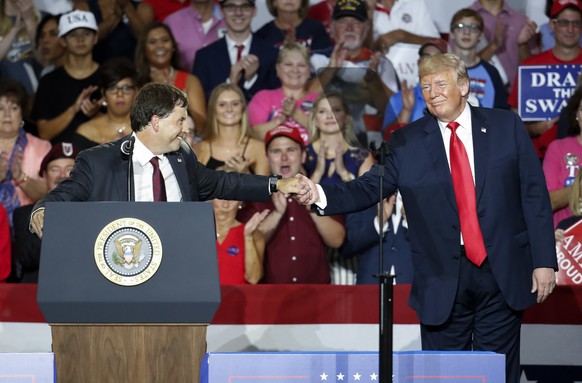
<point x="466" y="200"/>
<point x="158" y="184"/>
<point x="239" y="49"/>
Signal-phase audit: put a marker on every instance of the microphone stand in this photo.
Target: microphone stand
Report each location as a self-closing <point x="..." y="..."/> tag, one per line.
<point x="385" y="282"/>
<point x="129" y="151"/>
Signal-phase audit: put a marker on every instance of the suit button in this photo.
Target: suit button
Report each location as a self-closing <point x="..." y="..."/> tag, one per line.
<point x="454" y="227"/>
<point x="394" y="248"/>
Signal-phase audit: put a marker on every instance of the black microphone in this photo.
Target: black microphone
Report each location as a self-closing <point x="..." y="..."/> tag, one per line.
<point x="373" y="148"/>
<point x="127" y="146"/>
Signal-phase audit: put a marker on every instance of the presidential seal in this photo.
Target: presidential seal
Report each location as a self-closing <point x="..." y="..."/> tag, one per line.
<point x="128" y="251"/>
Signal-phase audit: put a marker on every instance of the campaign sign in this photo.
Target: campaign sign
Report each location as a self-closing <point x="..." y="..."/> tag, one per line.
<point x="404" y="57"/>
<point x="569" y="253"/>
<point x="543" y="90"/>
<point x="348" y="367"/>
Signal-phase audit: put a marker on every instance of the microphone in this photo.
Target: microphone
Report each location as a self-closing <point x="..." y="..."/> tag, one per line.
<point x="127" y="146"/>
<point x="373" y="148"/>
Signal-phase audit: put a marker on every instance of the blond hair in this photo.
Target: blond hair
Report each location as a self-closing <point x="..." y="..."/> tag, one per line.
<point x="213" y="120"/>
<point x="444" y="62"/>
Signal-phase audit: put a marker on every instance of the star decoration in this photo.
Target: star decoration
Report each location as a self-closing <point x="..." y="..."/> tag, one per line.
<point x="357" y="376"/>
<point x="340" y="376"/>
<point x="323" y="376"/>
<point x="374" y="376"/>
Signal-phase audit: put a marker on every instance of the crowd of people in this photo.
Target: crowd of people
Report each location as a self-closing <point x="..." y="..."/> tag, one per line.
<point x="215" y="109"/>
<point x="305" y="93"/>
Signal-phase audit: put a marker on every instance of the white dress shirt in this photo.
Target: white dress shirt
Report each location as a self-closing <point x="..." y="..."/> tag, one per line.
<point x="143" y="171"/>
<point x="233" y="51"/>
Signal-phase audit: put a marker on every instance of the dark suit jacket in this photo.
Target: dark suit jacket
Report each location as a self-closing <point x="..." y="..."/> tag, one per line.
<point x="100" y="174"/>
<point x="513" y="208"/>
<point x="362" y="242"/>
<point x="212" y="66"/>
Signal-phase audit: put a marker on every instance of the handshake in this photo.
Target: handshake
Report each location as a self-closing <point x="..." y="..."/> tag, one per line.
<point x="301" y="188"/>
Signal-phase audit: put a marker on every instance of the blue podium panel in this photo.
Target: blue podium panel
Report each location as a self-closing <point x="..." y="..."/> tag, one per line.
<point x="27" y="367"/>
<point x="413" y="367"/>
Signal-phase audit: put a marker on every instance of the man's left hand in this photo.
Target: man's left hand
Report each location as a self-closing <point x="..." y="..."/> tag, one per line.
<point x="543" y="282"/>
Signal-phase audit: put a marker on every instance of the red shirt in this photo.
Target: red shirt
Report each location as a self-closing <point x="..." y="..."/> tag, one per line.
<point x="231" y="257"/>
<point x="163" y="8"/>
<point x="545" y="58"/>
<point x="296" y="252"/>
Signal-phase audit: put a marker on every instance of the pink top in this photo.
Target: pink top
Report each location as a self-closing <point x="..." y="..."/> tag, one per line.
<point x="266" y="105"/>
<point x="36" y="149"/>
<point x="561" y="164"/>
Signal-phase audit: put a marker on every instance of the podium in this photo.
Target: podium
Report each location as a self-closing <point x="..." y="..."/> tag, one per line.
<point x="128" y="289"/>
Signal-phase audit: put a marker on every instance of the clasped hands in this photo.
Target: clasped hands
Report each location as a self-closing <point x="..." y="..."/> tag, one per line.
<point x="300" y="188"/>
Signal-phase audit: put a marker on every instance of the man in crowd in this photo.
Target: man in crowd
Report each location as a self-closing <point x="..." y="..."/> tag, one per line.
<point x="164" y="167"/>
<point x="55" y="167"/>
<point x="238" y="57"/>
<point x="296" y="239"/>
<point x="65" y="97"/>
<point x="478" y="212"/>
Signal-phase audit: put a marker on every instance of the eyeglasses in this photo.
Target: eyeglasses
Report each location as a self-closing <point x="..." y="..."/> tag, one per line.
<point x="473" y="28"/>
<point x="565" y="23"/>
<point x="232" y="8"/>
<point x="125" y="89"/>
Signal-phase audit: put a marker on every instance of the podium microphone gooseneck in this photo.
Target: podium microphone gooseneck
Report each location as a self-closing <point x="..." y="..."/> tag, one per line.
<point x="127" y="151"/>
<point x="385" y="280"/>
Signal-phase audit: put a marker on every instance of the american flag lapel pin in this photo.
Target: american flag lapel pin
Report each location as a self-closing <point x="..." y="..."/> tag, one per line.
<point x="483" y="130"/>
<point x="179" y="159"/>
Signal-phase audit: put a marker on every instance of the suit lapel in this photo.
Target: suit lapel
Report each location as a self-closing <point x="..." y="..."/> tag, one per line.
<point x="178" y="165"/>
<point x="480" y="149"/>
<point x="436" y="151"/>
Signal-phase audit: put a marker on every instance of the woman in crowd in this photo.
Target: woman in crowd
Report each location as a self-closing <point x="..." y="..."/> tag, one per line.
<point x="563" y="159"/>
<point x="575" y="207"/>
<point x="156" y="59"/>
<point x="292" y="102"/>
<point x="20" y="153"/>
<point x="118" y="83"/>
<point x="50" y="50"/>
<point x="228" y="141"/>
<point x="17" y="28"/>
<point x="333" y="157"/>
<point x="290" y="25"/>
<point x="240" y="247"/>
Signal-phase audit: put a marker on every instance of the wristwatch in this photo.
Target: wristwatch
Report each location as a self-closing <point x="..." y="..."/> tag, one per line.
<point x="273" y="183"/>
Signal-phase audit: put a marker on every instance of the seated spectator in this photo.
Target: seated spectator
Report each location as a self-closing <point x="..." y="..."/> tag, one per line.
<point x="194" y="27"/>
<point x="575" y="207"/>
<point x="289" y="104"/>
<point x="51" y="51"/>
<point x="485" y="82"/>
<point x="55" y="167"/>
<point x="118" y="85"/>
<point x="408" y="105"/>
<point x="228" y="141"/>
<point x="290" y="26"/>
<point x="21" y="153"/>
<point x="5" y="245"/>
<point x="120" y="23"/>
<point x="156" y="59"/>
<point x="18" y="21"/>
<point x="365" y="79"/>
<point x="239" y="57"/>
<point x="65" y="96"/>
<point x="240" y="247"/>
<point x="563" y="160"/>
<point x="297" y="239"/>
<point x="402" y="21"/>
<point x="362" y="230"/>
<point x="332" y="157"/>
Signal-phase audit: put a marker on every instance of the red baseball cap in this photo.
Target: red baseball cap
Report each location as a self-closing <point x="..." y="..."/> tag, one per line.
<point x="559" y="5"/>
<point x="285" y="131"/>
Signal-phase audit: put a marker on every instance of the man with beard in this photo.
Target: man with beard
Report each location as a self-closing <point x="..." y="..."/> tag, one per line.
<point x="367" y="79"/>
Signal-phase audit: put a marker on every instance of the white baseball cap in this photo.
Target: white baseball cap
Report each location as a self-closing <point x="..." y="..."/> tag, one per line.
<point x="76" y="19"/>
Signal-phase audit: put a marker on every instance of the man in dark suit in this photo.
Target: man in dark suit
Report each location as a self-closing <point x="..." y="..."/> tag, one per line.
<point x="165" y="168"/>
<point x="479" y="216"/>
<point x="238" y="57"/>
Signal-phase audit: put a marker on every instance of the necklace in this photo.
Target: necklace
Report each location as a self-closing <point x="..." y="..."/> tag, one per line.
<point x="119" y="129"/>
